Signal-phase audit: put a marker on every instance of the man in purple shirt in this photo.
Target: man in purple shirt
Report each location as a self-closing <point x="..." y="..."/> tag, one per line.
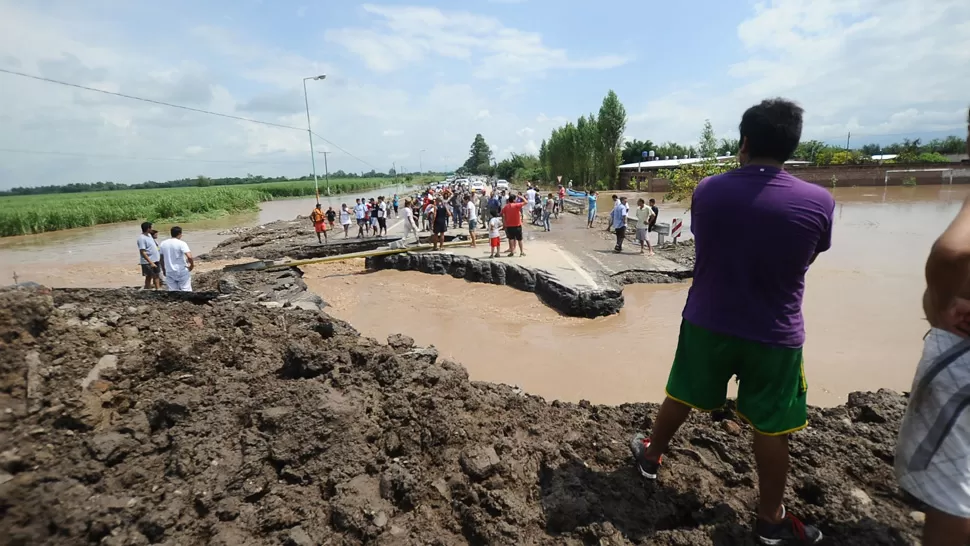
<point x="756" y="229"/>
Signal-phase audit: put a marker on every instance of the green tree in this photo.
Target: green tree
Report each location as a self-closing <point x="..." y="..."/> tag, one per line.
<point x="611" y="123"/>
<point x="684" y="179"/>
<point x="728" y="146"/>
<point x="203" y="181"/>
<point x="707" y="145"/>
<point x="479" y="157"/>
<point x="671" y="150"/>
<point x="633" y="150"/>
<point x="809" y="150"/>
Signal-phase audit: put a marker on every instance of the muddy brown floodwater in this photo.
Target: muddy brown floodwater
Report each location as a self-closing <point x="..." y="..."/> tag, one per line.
<point x="862" y="304"/>
<point x="862" y="309"/>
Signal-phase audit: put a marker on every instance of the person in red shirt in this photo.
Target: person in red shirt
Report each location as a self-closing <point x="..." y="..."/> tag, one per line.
<point x="512" y="219"/>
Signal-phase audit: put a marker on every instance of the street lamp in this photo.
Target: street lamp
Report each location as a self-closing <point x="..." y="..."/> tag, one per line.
<point x="309" y="132"/>
<point x="421" y="161"/>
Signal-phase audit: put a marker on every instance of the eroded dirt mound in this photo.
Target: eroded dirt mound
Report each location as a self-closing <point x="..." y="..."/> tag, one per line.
<point x="294" y="239"/>
<point x="237" y="424"/>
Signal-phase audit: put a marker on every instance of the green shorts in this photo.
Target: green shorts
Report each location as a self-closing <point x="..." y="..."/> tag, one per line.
<point x="772" y="389"/>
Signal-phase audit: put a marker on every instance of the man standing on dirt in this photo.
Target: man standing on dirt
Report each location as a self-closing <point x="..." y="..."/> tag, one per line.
<point x="933" y="450"/>
<point x="743" y="315"/>
<point x="590" y="208"/>
<point x="512" y="220"/>
<point x="148" y="257"/>
<point x="331" y="216"/>
<point x="618" y="221"/>
<point x="345" y="219"/>
<point x="644" y="216"/>
<point x="439" y="224"/>
<point x="177" y="262"/>
<point x="319" y="223"/>
<point x="360" y="211"/>
<point x="382" y="216"/>
<point x="410" y="224"/>
<point x="472" y="213"/>
<point x="656" y="214"/>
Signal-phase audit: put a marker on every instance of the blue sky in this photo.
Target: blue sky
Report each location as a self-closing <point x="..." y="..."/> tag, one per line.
<point x="409" y="76"/>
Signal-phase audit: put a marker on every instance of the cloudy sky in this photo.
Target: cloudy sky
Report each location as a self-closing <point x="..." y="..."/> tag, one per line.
<point x="405" y="77"/>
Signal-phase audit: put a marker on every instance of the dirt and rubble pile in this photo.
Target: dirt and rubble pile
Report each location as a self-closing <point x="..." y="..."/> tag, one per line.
<point x="212" y="421"/>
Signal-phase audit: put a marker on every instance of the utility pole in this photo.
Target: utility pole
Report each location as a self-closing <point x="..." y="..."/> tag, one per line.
<point x="847" y="137"/>
<point x="421" y="161"/>
<point x="309" y="132"/>
<point x="326" y="170"/>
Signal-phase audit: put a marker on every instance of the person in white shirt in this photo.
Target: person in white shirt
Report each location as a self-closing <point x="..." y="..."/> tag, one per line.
<point x="345" y="219"/>
<point x="381" y="216"/>
<point x="410" y="225"/>
<point x="530" y="196"/>
<point x="360" y="210"/>
<point x="177" y="262"/>
<point x="618" y="218"/>
<point x="494" y="236"/>
<point x="472" y="215"/>
<point x="148" y="257"/>
<point x="644" y="217"/>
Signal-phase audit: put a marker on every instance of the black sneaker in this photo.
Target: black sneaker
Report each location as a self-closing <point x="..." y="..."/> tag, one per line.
<point x="648" y="467"/>
<point x="789" y="531"/>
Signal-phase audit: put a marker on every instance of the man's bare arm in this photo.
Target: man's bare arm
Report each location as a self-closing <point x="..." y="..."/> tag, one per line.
<point x="948" y="266"/>
<point x="188" y="257"/>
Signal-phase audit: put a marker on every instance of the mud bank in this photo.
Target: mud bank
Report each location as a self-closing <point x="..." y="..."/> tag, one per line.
<point x="294" y="239"/>
<point x="232" y="423"/>
<point x="568" y="300"/>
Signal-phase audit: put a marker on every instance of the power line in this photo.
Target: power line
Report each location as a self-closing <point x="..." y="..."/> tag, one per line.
<point x="179" y="106"/>
<point x="143" y="158"/>
<point x="344" y="151"/>
<point x="152" y="101"/>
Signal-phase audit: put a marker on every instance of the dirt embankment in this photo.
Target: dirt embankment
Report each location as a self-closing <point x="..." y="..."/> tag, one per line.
<point x="294" y="239"/>
<point x="132" y="421"/>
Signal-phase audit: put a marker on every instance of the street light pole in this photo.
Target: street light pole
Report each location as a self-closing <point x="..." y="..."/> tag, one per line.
<point x="326" y="170"/>
<point x="309" y="132"/>
<point x="421" y="161"/>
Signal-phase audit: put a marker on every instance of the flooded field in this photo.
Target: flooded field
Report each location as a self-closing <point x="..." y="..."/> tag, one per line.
<point x="862" y="303"/>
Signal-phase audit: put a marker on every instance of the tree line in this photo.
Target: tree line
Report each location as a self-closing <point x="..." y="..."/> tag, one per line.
<point x="198" y="181"/>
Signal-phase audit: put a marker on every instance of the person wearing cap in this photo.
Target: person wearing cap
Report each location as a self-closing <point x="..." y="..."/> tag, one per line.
<point x="148" y="257"/>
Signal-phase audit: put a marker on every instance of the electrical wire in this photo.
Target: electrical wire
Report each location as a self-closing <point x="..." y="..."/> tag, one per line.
<point x="143" y="158"/>
<point x="171" y="105"/>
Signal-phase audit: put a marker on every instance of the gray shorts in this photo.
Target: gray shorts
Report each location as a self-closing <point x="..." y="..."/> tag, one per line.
<point x="642" y="235"/>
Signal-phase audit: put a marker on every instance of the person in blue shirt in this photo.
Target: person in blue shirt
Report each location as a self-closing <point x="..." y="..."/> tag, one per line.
<point x="395" y="203"/>
<point x="590" y="209"/>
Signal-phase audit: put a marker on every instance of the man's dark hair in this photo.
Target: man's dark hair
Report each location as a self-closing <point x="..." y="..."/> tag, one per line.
<point x="652" y="201"/>
<point x="176" y="231"/>
<point x="772" y="129"/>
<point x="145" y="226"/>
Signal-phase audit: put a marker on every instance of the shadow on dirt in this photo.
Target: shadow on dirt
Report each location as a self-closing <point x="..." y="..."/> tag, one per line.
<point x="578" y="500"/>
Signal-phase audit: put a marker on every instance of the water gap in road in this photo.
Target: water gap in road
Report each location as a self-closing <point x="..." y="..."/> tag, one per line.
<point x="862" y="309"/>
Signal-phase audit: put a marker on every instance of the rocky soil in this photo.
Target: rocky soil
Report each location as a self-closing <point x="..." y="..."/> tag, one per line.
<point x="129" y="418"/>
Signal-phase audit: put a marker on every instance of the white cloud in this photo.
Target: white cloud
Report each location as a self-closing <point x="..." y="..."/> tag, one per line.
<point x="525" y="131"/>
<point x="554" y="121"/>
<point x="531" y="147"/>
<point x="483" y="114"/>
<point x="404" y="35"/>
<point x="392" y="132"/>
<point x="872" y="67"/>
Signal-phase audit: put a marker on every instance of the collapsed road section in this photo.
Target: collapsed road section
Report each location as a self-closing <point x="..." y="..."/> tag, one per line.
<point x="221" y="421"/>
